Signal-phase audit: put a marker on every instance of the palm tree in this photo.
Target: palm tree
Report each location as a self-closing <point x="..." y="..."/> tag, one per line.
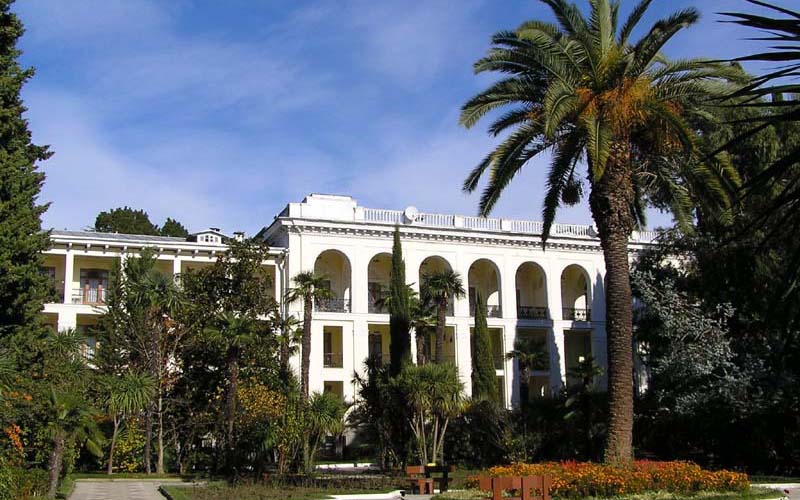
<point x="159" y="298"/>
<point x="324" y="417"/>
<point x="125" y="395"/>
<point x="423" y="320"/>
<point x="234" y="334"/>
<point x="530" y="355"/>
<point x="440" y="287"/>
<point x="71" y="422"/>
<point x="584" y="90"/>
<point x="310" y="288"/>
<point x="288" y="336"/>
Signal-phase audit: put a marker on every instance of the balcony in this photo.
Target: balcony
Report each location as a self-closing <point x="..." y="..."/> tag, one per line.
<point x="380" y="359"/>
<point x="531" y="312"/>
<point x="377" y="307"/>
<point x="491" y="311"/>
<point x="333" y="305"/>
<point x="332" y="360"/>
<point x="574" y="314"/>
<point x="89" y="295"/>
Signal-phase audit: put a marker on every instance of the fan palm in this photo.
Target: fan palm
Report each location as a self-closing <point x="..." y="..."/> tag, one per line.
<point x="324" y="417"/>
<point x="125" y="395"/>
<point x="288" y="336"/>
<point x="584" y="90"/>
<point x="440" y="287"/>
<point x="310" y="288"/>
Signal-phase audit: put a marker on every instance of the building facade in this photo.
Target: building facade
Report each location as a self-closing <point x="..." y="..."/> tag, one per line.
<point x="554" y="294"/>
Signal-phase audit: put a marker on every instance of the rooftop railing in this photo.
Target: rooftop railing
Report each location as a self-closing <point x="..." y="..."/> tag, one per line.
<point x="384" y="216"/>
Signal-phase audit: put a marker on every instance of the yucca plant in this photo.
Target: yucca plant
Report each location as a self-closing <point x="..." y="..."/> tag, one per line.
<point x="583" y="89"/>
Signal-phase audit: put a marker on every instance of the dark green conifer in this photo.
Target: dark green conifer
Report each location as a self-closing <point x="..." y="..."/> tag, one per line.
<point x="484" y="380"/>
<point x="399" y="310"/>
<point x="23" y="287"/>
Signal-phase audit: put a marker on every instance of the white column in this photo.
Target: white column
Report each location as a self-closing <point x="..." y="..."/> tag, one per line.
<point x="359" y="347"/>
<point x="69" y="271"/>
<point x="558" y="362"/>
<point x="555" y="335"/>
<point x="359" y="263"/>
<point x="509" y="365"/>
<point x="461" y="307"/>
<point x="464" y="354"/>
<point x="508" y="294"/>
<point x="176" y="267"/>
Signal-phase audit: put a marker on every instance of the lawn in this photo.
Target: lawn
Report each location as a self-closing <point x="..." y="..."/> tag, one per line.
<point x="753" y="494"/>
<point x="255" y="492"/>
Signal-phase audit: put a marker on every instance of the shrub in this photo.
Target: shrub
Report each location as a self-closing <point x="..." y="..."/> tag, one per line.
<point x="580" y="479"/>
<point x="17" y="483"/>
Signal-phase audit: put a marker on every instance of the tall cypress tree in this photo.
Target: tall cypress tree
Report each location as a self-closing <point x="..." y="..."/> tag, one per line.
<point x="399" y="310"/>
<point x="484" y="380"/>
<point x="23" y="287"/>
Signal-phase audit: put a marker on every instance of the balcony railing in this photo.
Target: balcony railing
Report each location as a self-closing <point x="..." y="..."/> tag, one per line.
<point x="333" y="305"/>
<point x="89" y="295"/>
<point x="377" y="307"/>
<point x="332" y="360"/>
<point x="491" y="311"/>
<point x="532" y="312"/>
<point x="575" y="314"/>
<point x="380" y="359"/>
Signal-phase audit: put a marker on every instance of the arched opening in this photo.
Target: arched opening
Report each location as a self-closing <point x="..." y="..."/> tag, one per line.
<point x="379" y="273"/>
<point x="531" y="286"/>
<point x="484" y="277"/>
<point x="435" y="264"/>
<point x="334" y="266"/>
<point x="575" y="294"/>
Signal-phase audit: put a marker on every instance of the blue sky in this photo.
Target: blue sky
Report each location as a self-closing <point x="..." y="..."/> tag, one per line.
<point x="220" y="113"/>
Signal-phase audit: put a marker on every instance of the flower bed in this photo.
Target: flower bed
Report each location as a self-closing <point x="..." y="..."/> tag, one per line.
<point x="579" y="479"/>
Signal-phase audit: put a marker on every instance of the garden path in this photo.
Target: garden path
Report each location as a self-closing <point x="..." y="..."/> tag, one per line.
<point x="117" y="490"/>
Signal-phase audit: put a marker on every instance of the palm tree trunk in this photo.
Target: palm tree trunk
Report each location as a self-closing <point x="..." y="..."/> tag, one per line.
<point x="54" y="467"/>
<point x="420" y="337"/>
<point x="611" y="201"/>
<point x="441" y="321"/>
<point x="283" y="359"/>
<point x="148" y="438"/>
<point x="233" y="384"/>
<point x="160" y="462"/>
<point x="114" y="434"/>
<point x="308" y="305"/>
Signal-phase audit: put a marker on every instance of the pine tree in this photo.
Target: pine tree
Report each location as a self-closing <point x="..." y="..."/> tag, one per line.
<point x="23" y="287"/>
<point x="399" y="310"/>
<point x="484" y="384"/>
<point x="173" y="228"/>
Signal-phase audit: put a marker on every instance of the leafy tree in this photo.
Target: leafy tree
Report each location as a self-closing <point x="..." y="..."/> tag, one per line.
<point x="174" y="228"/>
<point x="23" y="288"/>
<point x="125" y="220"/>
<point x="434" y="395"/>
<point x="582" y="88"/>
<point x="309" y="288"/>
<point x="440" y="287"/>
<point x="233" y="315"/>
<point x="126" y="395"/>
<point x="484" y="379"/>
<point x="399" y="309"/>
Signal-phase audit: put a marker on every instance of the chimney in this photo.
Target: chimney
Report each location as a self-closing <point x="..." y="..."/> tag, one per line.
<point x="215" y="229"/>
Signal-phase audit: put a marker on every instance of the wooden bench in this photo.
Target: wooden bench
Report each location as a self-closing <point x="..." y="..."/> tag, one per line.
<point x="418" y="481"/>
<point x="521" y="487"/>
<point x="444" y="479"/>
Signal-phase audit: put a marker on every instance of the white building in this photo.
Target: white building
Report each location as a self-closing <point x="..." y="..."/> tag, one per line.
<point x="555" y="293"/>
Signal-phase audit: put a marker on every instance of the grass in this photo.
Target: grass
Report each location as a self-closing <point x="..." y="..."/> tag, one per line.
<point x="217" y="491"/>
<point x="753" y="494"/>
<point x="773" y="479"/>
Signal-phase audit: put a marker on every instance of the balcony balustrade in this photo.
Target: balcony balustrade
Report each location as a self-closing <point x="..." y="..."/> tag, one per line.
<point x="576" y="314"/>
<point x="491" y="311"/>
<point x="332" y="360"/>
<point x="532" y="312"/>
<point x="89" y="295"/>
<point x="377" y="307"/>
<point x="380" y="359"/>
<point x="333" y="305"/>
